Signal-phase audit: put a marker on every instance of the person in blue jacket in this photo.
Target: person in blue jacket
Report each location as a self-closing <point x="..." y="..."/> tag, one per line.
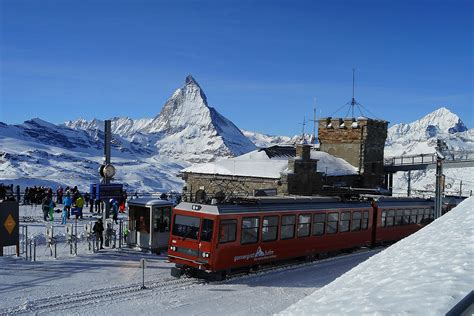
<point x="114" y="205"/>
<point x="67" y="204"/>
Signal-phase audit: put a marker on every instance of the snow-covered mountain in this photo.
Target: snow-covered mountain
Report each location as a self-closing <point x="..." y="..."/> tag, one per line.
<point x="186" y="129"/>
<point x="420" y="137"/>
<point x="148" y="153"/>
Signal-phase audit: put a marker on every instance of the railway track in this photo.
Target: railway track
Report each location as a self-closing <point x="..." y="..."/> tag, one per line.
<point x="78" y="299"/>
<point x="72" y="300"/>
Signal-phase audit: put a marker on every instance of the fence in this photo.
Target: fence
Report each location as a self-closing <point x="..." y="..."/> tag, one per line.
<point x="65" y="241"/>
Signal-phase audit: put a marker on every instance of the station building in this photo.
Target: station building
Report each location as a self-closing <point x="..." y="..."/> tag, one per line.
<point x="349" y="155"/>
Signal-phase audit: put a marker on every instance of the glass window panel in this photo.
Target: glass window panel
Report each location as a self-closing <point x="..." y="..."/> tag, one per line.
<point x="331" y="227"/>
<point x="228" y="230"/>
<point x="333" y="217"/>
<point x="356" y="215"/>
<point x="346" y="216"/>
<point x="249" y="230"/>
<point x="319" y="218"/>
<point x="270" y="228"/>
<point x="318" y="228"/>
<point x="288" y="219"/>
<point x="304" y="225"/>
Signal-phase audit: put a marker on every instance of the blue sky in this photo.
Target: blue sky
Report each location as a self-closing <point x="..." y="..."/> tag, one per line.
<point x="260" y="63"/>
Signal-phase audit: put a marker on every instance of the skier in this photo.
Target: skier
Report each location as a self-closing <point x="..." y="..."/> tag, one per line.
<point x="51" y="209"/>
<point x="98" y="230"/>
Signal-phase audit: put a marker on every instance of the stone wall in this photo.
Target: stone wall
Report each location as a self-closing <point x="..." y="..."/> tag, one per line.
<point x="360" y="142"/>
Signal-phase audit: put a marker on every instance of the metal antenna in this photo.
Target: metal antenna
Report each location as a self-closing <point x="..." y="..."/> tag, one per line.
<point x="302" y="130"/>
<point x="314" y="123"/>
<point x="353" y="102"/>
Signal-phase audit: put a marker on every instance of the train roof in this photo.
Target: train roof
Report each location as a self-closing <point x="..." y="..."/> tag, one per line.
<point x="282" y="204"/>
<point x="149" y="202"/>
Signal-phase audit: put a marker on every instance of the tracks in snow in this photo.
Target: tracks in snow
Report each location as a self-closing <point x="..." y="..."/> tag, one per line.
<point x="72" y="300"/>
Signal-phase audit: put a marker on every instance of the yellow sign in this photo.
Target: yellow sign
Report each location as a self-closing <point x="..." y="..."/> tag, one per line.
<point x="9" y="224"/>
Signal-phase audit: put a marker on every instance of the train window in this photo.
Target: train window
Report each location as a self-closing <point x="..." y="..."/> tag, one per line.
<point x="207" y="229"/>
<point x="390" y="218"/>
<point x="269" y="228"/>
<point x="398" y="217"/>
<point x="413" y="216"/>
<point x="186" y="226"/>
<point x="304" y="223"/>
<point x="431" y="210"/>
<point x="228" y="230"/>
<point x="345" y="222"/>
<point x="319" y="220"/>
<point x="419" y="217"/>
<point x="365" y="220"/>
<point x="356" y="219"/>
<point x="333" y="219"/>
<point x="383" y="219"/>
<point x="406" y="217"/>
<point x="249" y="230"/>
<point x="288" y="226"/>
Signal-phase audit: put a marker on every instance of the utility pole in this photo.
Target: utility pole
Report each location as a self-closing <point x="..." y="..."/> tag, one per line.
<point x="409" y="183"/>
<point x="107" y="150"/>
<point x="460" y="188"/>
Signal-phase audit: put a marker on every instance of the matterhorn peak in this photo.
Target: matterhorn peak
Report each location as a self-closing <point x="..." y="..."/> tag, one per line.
<point x="190" y="80"/>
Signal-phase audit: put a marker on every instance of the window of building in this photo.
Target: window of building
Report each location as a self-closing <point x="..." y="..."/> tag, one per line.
<point x="365" y="220"/>
<point x="356" y="221"/>
<point x="288" y="226"/>
<point x="249" y="230"/>
<point x="333" y="219"/>
<point x="319" y="221"/>
<point x="228" y="230"/>
<point x="345" y="222"/>
<point x="304" y="223"/>
<point x="269" y="228"/>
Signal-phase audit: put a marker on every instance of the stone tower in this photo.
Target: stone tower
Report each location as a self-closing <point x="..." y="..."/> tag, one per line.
<point x="359" y="141"/>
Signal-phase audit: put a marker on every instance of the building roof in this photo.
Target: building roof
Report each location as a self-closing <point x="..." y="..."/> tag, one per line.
<point x="270" y="163"/>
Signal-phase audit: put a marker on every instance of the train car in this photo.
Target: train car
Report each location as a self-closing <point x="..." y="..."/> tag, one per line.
<point x="213" y="240"/>
<point x="149" y="223"/>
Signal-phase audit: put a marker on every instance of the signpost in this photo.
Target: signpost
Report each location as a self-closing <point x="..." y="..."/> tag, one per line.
<point x="9" y="225"/>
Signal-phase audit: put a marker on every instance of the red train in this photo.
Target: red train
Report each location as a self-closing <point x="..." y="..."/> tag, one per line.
<point x="213" y="240"/>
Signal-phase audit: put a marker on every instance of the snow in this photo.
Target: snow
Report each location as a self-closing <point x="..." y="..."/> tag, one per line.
<point x="426" y="273"/>
<point x="258" y="164"/>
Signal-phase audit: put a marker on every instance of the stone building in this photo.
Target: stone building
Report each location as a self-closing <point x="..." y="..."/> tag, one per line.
<point x="360" y="142"/>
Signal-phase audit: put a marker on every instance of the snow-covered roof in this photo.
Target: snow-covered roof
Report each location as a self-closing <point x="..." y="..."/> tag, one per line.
<point x="269" y="163"/>
<point x="427" y="272"/>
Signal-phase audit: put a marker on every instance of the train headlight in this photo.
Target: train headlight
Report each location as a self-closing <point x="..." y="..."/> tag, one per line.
<point x="205" y="254"/>
<point x="173" y="248"/>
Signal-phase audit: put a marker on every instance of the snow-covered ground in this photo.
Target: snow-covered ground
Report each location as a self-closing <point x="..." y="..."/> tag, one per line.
<point x="426" y="273"/>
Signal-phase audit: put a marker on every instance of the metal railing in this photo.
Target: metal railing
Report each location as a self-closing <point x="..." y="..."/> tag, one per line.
<point x="426" y="159"/>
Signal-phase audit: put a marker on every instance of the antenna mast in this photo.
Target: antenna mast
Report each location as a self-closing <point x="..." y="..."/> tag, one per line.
<point x="304" y="123"/>
<point x="313" y="141"/>
<point x="353" y="102"/>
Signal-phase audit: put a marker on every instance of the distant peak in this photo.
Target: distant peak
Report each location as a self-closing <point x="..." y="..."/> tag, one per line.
<point x="190" y="80"/>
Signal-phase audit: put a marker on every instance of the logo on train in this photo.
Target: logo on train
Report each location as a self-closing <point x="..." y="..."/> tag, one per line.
<point x="259" y="254"/>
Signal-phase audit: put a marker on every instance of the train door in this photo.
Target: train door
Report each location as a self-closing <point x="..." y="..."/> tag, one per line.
<point x="375" y="210"/>
<point x="205" y="239"/>
<point x="161" y="219"/>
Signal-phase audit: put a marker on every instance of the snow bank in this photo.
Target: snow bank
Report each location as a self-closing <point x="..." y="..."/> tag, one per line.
<point x="426" y="273"/>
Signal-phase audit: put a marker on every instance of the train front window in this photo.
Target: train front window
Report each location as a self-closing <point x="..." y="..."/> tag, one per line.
<point x="207" y="229"/>
<point x="186" y="226"/>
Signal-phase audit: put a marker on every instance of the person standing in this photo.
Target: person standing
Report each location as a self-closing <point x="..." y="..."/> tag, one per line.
<point x="79" y="204"/>
<point x="98" y="230"/>
<point x="45" y="207"/>
<point x="18" y="194"/>
<point x="114" y="206"/>
<point x="59" y="196"/>
<point x="51" y="208"/>
<point x="63" y="216"/>
<point x="67" y="204"/>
